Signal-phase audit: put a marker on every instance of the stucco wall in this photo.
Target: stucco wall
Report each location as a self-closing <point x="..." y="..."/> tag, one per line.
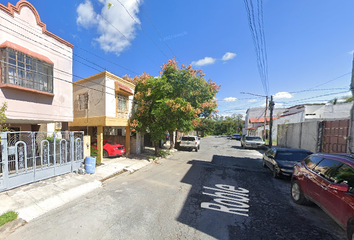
<point x="298" y="135"/>
<point x="33" y="107"/>
<point x="96" y="95"/>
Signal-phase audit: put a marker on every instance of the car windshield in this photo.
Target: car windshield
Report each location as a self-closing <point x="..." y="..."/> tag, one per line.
<point x="291" y="156"/>
<point x="253" y="138"/>
<point x="188" y="138"/>
<point x="111" y="143"/>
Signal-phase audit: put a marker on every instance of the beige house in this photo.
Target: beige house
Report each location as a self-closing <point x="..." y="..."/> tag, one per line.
<point x="35" y="70"/>
<point x="102" y="107"/>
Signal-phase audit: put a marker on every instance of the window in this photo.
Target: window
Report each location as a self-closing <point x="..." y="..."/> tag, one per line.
<point x="122" y="103"/>
<point x="345" y="174"/>
<point x="291" y="156"/>
<point x="83" y="101"/>
<point x="328" y="168"/>
<point x="312" y="161"/>
<point x="23" y="70"/>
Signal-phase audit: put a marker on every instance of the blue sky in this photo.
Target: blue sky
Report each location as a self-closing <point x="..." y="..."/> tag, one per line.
<point x="309" y="44"/>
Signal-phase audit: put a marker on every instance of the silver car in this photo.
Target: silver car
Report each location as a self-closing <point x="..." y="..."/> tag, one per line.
<point x="252" y="142"/>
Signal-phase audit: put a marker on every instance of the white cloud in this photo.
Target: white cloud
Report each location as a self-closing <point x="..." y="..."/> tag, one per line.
<point x="351" y="52"/>
<point x="252" y="100"/>
<point x="230" y="99"/>
<point x="204" y="61"/>
<point x="281" y="95"/>
<point x="111" y="24"/>
<point x="228" y="56"/>
<point x="86" y="15"/>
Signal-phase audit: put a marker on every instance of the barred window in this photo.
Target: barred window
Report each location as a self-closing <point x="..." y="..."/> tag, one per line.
<point x="122" y="103"/>
<point x="23" y="70"/>
<point x="83" y="101"/>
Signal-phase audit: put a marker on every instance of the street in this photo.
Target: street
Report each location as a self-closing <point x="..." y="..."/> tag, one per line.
<point x="220" y="192"/>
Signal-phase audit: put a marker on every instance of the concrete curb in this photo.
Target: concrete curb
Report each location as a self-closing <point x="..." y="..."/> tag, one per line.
<point x="31" y="212"/>
<point x="56" y="193"/>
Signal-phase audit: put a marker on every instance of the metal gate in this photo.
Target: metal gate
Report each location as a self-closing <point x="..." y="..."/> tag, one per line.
<point x="335" y="135"/>
<point x="32" y="156"/>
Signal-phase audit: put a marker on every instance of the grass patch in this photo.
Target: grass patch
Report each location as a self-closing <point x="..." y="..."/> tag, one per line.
<point x="8" y="217"/>
<point x="164" y="154"/>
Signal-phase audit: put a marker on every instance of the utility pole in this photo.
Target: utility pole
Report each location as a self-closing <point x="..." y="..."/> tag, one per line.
<point x="271" y="107"/>
<point x="265" y="112"/>
<point x="265" y="120"/>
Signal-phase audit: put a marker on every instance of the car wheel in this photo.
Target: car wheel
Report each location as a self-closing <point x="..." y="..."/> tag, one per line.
<point x="350" y="232"/>
<point x="297" y="194"/>
<point x="196" y="149"/>
<point x="105" y="154"/>
<point x="264" y="164"/>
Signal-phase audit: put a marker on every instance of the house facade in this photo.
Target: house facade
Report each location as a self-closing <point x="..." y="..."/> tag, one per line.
<point x="255" y="122"/>
<point x="35" y="70"/>
<point x="102" y="107"/>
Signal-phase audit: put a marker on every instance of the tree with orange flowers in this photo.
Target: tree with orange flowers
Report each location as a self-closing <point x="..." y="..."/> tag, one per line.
<point x="174" y="101"/>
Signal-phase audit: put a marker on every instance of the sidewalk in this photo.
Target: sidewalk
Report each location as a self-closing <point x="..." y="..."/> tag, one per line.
<point x="35" y="199"/>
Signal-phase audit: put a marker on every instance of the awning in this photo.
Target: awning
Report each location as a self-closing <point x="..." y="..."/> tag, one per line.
<point x="121" y="87"/>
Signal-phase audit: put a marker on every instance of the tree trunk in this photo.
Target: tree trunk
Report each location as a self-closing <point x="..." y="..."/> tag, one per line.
<point x="176" y="138"/>
<point x="157" y="149"/>
<point x="172" y="144"/>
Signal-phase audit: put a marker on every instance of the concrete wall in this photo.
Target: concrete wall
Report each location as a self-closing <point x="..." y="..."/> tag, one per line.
<point x="294" y="118"/>
<point x="299" y="135"/>
<point x="26" y="106"/>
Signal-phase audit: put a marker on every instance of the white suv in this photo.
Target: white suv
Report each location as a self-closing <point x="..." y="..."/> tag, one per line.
<point x="190" y="142"/>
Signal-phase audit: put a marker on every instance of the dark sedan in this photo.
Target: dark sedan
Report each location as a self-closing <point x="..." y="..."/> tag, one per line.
<point x="281" y="160"/>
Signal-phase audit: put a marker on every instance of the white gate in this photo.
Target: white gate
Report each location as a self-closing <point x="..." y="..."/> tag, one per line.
<point x="32" y="156"/>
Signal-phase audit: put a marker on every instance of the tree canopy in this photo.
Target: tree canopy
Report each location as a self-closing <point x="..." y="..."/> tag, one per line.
<point x="176" y="100"/>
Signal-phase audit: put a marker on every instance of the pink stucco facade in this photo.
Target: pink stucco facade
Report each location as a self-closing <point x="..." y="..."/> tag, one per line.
<point x="22" y="30"/>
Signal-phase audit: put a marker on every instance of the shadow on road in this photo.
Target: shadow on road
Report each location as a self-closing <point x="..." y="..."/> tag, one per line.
<point x="224" y="170"/>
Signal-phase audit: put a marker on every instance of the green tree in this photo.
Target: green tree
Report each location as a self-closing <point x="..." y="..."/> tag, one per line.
<point x="174" y="101"/>
<point x="190" y="86"/>
<point x="3" y="117"/>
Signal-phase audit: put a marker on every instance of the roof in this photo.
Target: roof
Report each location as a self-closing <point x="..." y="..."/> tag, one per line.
<point x="122" y="87"/>
<point x="258" y="120"/>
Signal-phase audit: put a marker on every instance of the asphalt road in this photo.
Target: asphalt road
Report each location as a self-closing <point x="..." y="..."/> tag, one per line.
<point x="219" y="192"/>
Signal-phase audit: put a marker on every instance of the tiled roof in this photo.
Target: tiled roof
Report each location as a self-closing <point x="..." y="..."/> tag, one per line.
<point x="259" y="120"/>
<point x="122" y="87"/>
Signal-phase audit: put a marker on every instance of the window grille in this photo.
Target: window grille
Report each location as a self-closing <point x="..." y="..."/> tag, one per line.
<point x="122" y="103"/>
<point x="83" y="101"/>
<point x="23" y="70"/>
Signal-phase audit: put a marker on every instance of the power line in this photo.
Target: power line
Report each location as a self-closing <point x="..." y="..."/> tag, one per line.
<point x="331" y="80"/>
<point x="128" y="40"/>
<point x="323" y="95"/>
<point x="324" y="89"/>
<point x="158" y="32"/>
<point x="55" y="50"/>
<point x="65" y="48"/>
<point x="259" y="42"/>
<point x="141" y="28"/>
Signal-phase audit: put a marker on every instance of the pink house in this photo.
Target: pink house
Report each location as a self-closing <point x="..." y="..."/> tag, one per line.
<point x="35" y="70"/>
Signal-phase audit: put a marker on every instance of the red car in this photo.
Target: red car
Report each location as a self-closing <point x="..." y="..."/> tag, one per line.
<point x="110" y="148"/>
<point x="328" y="181"/>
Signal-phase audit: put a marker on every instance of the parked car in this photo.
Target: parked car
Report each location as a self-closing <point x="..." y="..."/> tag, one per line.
<point x="190" y="142"/>
<point x="252" y="142"/>
<point x="110" y="148"/>
<point x="236" y="137"/>
<point x="281" y="160"/>
<point x="328" y="181"/>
